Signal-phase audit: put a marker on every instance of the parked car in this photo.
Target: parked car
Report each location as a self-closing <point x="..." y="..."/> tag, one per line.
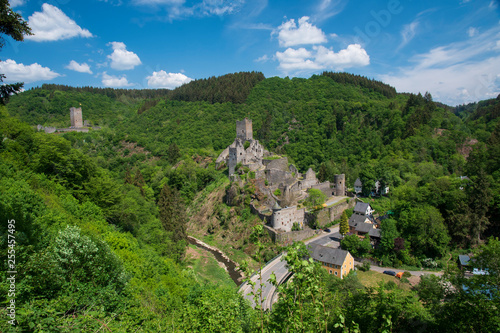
<point x="327" y="230"/>
<point x="390" y="273"/>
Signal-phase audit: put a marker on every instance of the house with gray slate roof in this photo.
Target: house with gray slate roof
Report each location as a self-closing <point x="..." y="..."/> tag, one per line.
<point x="362" y="223"/>
<point x="363" y="208"/>
<point x="337" y="262"/>
<point x="358" y="186"/>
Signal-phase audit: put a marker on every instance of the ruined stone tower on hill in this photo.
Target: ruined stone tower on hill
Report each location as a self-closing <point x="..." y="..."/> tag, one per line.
<point x="249" y="155"/>
<point x="244" y="129"/>
<point x="76" y="117"/>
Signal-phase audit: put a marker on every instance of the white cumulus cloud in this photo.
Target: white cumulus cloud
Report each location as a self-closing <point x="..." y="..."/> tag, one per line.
<point x="115" y="81"/>
<point x="353" y="56"/>
<point x="82" y="68"/>
<point x="121" y="59"/>
<point x="52" y="24"/>
<point x="306" y="33"/>
<point x="296" y="60"/>
<point x="15" y="72"/>
<point x="322" y="58"/>
<point x="163" y="79"/>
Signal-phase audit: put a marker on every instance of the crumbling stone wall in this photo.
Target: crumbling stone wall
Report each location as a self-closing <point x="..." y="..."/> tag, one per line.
<point x="329" y="214"/>
<point x="276" y="177"/>
<point x="309" y="180"/>
<point x="336" y="211"/>
<point x="285" y="238"/>
<point x="293" y="169"/>
<point x="235" y="155"/>
<point x="278" y="164"/>
<point x="324" y="187"/>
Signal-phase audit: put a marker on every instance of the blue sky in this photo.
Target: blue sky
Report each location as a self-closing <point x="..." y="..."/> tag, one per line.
<point x="449" y="48"/>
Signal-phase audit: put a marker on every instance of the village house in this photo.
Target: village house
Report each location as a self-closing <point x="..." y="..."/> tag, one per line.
<point x="463" y="262"/>
<point x="363" y="208"/>
<point x="358" y="186"/>
<point x="377" y="190"/>
<point x="362" y="223"/>
<point x="336" y="261"/>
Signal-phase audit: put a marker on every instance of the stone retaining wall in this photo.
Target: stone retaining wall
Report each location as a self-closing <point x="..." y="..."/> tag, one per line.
<point x="285" y="238"/>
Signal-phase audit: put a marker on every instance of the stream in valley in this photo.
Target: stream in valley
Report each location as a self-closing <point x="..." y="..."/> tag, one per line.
<point x="230" y="266"/>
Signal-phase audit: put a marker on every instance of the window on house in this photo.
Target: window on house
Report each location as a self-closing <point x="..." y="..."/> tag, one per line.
<point x="335" y="273"/>
<point x="331" y="272"/>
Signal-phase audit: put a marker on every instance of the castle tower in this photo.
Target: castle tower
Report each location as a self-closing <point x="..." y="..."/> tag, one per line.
<point x="274" y="218"/>
<point x="339" y="184"/>
<point x="236" y="155"/>
<point x="76" y="117"/>
<point x="244" y="129"/>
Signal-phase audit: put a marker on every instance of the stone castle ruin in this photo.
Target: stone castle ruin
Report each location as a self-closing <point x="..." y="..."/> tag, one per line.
<point x="77" y="123"/>
<point x="75" y="115"/>
<point x="274" y="173"/>
<point x="250" y="157"/>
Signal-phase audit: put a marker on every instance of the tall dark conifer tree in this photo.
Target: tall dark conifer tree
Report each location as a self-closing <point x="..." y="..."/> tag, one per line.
<point x="173" y="218"/>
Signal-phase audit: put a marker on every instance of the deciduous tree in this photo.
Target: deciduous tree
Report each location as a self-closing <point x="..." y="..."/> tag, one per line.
<point x="13" y="25"/>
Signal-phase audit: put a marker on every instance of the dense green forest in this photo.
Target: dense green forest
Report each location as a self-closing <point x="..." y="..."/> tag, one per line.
<point x="100" y="217"/>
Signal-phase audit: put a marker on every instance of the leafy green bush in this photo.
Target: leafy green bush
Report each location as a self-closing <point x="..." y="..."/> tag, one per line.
<point x="365" y="267"/>
<point x="277" y="192"/>
<point x="315" y="199"/>
<point x="391" y="285"/>
<point x="429" y="263"/>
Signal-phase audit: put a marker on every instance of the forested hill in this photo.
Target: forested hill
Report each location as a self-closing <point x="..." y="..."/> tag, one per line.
<point x="227" y="88"/>
<point x="232" y="88"/>
<point x="357" y="80"/>
<point x="338" y="117"/>
<point x="101" y="217"/>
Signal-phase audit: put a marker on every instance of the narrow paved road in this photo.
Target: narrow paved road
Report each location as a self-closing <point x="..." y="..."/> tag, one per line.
<point x="269" y="295"/>
<point x="281" y="271"/>
<point x="414" y="273"/>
